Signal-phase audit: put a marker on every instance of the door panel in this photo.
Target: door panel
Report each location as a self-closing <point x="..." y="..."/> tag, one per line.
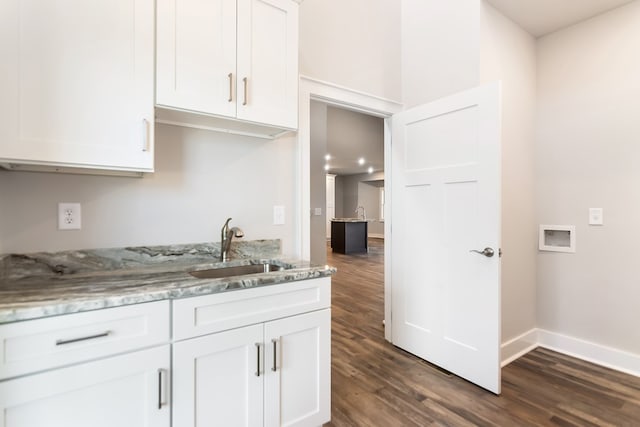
<point x="268" y="60"/>
<point x="215" y="381"/>
<point x="78" y="88"/>
<point x="446" y="189"/>
<point x="118" y="391"/>
<point x="196" y="54"/>
<point x="297" y="392"/>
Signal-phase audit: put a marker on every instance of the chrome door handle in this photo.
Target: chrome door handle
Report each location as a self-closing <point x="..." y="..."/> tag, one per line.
<point x="274" y="341"/>
<point x="161" y="400"/>
<point x="258" y="345"/>
<point x="488" y="252"/>
<point x="244" y="84"/>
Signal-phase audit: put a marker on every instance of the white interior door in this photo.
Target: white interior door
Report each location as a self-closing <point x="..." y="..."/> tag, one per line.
<point x="446" y="202"/>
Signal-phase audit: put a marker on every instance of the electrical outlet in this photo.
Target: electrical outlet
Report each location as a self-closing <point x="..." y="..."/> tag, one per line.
<point x="69" y="217"/>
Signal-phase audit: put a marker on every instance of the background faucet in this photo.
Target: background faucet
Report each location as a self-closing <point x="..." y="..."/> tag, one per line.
<point x="226" y="235"/>
<point x="364" y="213"/>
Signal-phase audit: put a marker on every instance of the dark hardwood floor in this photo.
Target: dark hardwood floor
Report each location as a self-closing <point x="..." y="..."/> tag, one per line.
<point x="377" y="384"/>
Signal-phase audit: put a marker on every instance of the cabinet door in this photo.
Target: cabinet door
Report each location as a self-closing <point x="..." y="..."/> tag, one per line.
<point x="218" y="379"/>
<point x="268" y="62"/>
<point x="77" y="83"/>
<point x="298" y="380"/>
<point x="196" y="55"/>
<point x="124" y="391"/>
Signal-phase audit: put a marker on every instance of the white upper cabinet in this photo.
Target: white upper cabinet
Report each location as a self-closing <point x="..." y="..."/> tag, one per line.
<point x="268" y="62"/>
<point x="77" y="83"/>
<point x="196" y="51"/>
<point x="228" y="58"/>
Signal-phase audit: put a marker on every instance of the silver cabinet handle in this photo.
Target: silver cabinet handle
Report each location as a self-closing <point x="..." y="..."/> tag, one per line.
<point x="274" y="341"/>
<point x="161" y="388"/>
<point x="244" y="83"/>
<point x="230" y="87"/>
<point x="258" y="359"/>
<point x="88" y="337"/>
<point x="488" y="252"/>
<point x="145" y="135"/>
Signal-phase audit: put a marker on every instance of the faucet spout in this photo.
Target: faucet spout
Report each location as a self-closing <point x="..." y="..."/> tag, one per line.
<point x="226" y="235"/>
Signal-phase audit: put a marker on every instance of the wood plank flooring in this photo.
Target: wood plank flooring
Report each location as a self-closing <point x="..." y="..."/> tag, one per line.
<point x="377" y="384"/>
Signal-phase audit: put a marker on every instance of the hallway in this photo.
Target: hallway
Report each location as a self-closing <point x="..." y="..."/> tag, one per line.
<point x="377" y="384"/>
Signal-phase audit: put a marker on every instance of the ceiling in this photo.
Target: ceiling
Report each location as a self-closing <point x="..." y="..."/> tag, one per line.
<point x="540" y="17"/>
<point x="351" y="136"/>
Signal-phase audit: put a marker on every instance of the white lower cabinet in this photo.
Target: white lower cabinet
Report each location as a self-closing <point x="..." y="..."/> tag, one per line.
<point x="275" y="373"/>
<point x="131" y="390"/>
<point x="256" y="357"/>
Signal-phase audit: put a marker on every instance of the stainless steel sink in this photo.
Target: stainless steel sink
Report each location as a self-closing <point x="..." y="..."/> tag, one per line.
<point x="239" y="270"/>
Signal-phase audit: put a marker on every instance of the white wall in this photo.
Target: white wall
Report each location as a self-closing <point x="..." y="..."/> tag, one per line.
<point x="201" y="179"/>
<point x="588" y="155"/>
<point x="440" y="48"/>
<point x="508" y="53"/>
<point x="318" y="183"/>
<point x="352" y="43"/>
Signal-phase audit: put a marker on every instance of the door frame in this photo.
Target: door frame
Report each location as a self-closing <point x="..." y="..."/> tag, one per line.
<point x="342" y="97"/>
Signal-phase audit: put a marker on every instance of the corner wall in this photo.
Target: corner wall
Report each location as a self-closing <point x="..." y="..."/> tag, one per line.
<point x="508" y="53"/>
<point x="588" y="155"/>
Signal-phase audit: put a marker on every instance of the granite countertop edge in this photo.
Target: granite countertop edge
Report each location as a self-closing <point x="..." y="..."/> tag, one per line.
<point x="96" y="295"/>
<point x="27" y="297"/>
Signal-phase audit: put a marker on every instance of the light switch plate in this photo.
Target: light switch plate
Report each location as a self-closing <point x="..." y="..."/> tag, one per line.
<point x="278" y="215"/>
<point x="596" y="216"/>
<point x="317" y="212"/>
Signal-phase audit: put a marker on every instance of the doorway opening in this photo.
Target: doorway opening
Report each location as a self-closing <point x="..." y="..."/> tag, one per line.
<point x="354" y="101"/>
<point x="346" y="180"/>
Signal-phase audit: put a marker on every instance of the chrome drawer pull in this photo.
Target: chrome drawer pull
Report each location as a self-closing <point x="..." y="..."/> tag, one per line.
<point x="90" y="337"/>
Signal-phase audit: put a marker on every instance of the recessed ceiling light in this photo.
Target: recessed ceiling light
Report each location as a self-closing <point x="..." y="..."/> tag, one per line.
<point x="370" y="169"/>
<point x="326" y="167"/>
<point x="327" y="157"/>
<point x="361" y="161"/>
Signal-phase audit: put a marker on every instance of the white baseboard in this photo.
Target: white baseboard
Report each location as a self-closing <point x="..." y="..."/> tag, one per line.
<point x="591" y="352"/>
<point x="608" y="357"/>
<point x="518" y="346"/>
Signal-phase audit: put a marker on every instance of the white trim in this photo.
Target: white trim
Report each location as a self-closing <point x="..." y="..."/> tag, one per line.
<point x="518" y="346"/>
<point x="387" y="231"/>
<point x="345" y="97"/>
<point x="335" y="95"/>
<point x="609" y="357"/>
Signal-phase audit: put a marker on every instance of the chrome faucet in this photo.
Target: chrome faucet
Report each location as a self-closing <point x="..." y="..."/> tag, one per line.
<point x="226" y="235"/>
<point x="364" y="213"/>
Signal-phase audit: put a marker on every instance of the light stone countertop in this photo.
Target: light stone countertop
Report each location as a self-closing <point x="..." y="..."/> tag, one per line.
<point x="42" y="284"/>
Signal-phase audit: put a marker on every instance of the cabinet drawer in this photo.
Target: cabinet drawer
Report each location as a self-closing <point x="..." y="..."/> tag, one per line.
<point x="213" y="313"/>
<point x="35" y="345"/>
